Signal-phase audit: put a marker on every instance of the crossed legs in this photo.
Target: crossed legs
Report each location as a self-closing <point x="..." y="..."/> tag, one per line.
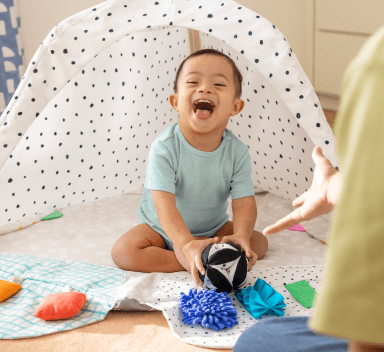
<point x="142" y="249"/>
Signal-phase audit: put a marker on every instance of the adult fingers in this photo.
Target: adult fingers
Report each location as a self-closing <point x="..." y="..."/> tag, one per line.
<point x="300" y="200"/>
<point x="319" y="158"/>
<point x="322" y="162"/>
<point x="316" y="151"/>
<point x="290" y="220"/>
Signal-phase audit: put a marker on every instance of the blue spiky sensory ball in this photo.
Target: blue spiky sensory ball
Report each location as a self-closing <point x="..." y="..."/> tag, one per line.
<point x="209" y="308"/>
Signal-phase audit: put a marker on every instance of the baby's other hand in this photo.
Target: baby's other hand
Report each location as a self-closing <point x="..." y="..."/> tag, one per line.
<point x="243" y="241"/>
<point x="192" y="251"/>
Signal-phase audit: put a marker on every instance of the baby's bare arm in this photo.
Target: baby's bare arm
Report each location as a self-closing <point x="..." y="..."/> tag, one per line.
<point x="170" y="218"/>
<point x="187" y="248"/>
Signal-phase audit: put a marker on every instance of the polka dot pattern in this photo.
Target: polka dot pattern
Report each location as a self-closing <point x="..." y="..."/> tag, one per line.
<point x="196" y="334"/>
<point x="96" y="94"/>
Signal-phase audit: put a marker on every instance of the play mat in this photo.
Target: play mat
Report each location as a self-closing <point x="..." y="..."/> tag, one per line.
<point x="77" y="249"/>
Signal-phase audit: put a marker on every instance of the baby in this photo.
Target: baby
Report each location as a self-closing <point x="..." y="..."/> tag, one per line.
<point x="192" y="168"/>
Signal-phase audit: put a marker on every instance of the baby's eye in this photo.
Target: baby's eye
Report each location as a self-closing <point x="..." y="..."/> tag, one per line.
<point x="216" y="84"/>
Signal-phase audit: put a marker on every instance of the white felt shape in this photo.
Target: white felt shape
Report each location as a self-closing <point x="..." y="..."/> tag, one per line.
<point x="208" y="284"/>
<point x="232" y="270"/>
<point x="17" y="280"/>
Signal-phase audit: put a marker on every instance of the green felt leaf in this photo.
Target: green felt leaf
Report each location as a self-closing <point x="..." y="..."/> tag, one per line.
<point x="54" y="215"/>
<point x="303" y="292"/>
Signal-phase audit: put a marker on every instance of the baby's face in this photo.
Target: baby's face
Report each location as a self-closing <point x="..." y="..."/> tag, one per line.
<point x="206" y="77"/>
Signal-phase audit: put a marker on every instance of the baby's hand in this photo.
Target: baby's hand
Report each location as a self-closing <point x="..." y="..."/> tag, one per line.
<point x="192" y="251"/>
<point x="243" y="241"/>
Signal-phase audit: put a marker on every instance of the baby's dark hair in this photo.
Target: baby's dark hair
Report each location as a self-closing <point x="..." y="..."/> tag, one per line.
<point x="238" y="77"/>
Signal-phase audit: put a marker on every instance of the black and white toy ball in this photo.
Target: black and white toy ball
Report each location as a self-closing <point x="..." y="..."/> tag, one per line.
<point x="225" y="265"/>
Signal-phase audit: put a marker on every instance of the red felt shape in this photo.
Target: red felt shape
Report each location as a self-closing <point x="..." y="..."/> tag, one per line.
<point x="60" y="305"/>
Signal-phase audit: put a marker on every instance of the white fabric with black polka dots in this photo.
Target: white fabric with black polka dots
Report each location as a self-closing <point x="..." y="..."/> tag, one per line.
<point x="96" y="94"/>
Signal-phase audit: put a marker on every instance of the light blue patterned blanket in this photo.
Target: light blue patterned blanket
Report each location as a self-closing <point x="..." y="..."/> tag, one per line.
<point x="41" y="276"/>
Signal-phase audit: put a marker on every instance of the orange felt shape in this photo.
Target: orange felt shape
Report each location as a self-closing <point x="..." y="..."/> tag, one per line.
<point x="8" y="289"/>
<point x="60" y="305"/>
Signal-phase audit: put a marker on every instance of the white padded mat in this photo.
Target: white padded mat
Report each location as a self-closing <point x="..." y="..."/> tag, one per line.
<point x="87" y="233"/>
<point x="168" y="292"/>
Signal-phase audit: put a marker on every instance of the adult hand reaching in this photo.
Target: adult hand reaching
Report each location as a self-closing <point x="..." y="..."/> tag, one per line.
<point x="318" y="200"/>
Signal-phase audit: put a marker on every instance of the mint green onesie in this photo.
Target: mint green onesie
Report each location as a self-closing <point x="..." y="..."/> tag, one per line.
<point x="201" y="181"/>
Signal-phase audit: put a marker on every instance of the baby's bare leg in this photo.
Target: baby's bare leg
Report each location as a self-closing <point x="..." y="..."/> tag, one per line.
<point x="142" y="249"/>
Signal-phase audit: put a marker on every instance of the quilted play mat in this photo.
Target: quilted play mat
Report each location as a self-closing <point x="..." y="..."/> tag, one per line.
<point x="40" y="277"/>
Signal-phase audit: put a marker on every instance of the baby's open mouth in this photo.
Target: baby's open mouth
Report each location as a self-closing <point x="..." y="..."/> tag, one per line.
<point x="203" y="108"/>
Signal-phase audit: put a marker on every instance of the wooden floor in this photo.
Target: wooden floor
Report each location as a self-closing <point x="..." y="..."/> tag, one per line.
<point x="330" y="115"/>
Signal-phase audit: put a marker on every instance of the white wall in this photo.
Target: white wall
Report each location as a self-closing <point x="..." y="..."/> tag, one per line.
<point x="38" y="17"/>
<point x="294" y="18"/>
<point x="291" y="17"/>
